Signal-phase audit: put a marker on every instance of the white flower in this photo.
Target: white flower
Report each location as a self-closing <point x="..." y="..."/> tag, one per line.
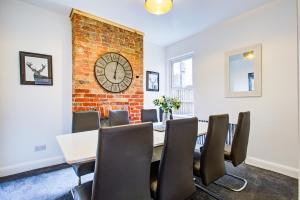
<point x="161" y="99"/>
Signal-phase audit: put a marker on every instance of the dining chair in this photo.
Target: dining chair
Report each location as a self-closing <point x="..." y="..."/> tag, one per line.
<point x="123" y="163"/>
<point x="172" y="177"/>
<point x="118" y="117"/>
<point x="209" y="163"/>
<point x="149" y="115"/>
<point x="237" y="152"/>
<point x="161" y="112"/>
<point x="84" y="121"/>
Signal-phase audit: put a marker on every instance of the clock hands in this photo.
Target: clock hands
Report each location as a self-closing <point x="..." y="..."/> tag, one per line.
<point x="115" y="74"/>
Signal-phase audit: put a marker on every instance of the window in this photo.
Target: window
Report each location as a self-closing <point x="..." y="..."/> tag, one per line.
<point x="182" y="84"/>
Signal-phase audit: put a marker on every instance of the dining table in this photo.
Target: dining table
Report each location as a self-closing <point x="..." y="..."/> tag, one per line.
<point x="82" y="146"/>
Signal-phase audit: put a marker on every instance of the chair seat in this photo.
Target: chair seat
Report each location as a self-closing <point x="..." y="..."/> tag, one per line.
<point x="84" y="168"/>
<point x="153" y="178"/>
<point x="153" y="188"/>
<point x="197" y="156"/>
<point x="227" y="152"/>
<point x="83" y="192"/>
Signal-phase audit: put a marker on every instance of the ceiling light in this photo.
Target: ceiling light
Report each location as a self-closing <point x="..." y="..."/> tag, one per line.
<point x="249" y="55"/>
<point x="158" y="7"/>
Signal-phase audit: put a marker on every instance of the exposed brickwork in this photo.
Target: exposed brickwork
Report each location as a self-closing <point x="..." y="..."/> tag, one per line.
<point x="91" y="39"/>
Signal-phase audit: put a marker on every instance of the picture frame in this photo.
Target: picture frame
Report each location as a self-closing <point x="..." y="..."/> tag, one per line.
<point x="152" y="81"/>
<point x="35" y="69"/>
<point x="243" y="72"/>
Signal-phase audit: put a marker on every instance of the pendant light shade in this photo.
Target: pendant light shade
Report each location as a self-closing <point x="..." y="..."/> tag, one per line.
<point x="158" y="7"/>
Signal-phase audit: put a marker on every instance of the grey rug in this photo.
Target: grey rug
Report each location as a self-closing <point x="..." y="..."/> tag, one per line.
<point x="56" y="185"/>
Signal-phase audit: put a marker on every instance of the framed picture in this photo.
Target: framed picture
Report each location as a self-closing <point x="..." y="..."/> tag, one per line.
<point x="152" y="81"/>
<point x="35" y="69"/>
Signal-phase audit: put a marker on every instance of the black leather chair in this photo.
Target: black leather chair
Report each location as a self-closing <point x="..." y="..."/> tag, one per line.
<point x="122" y="165"/>
<point x="172" y="177"/>
<point x="161" y="112"/>
<point x="85" y="121"/>
<point x="149" y="115"/>
<point x="237" y="152"/>
<point x="118" y="117"/>
<point x="209" y="164"/>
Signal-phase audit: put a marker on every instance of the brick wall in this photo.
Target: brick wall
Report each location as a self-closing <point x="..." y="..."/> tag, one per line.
<point x="91" y="39"/>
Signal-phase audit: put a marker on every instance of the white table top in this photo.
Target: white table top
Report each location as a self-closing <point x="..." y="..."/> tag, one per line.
<point x="82" y="146"/>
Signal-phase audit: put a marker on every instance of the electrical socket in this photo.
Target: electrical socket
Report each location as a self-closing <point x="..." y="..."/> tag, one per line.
<point x="40" y="148"/>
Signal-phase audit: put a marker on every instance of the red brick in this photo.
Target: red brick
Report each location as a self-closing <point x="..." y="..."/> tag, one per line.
<point x="91" y="39"/>
<point x="81" y="91"/>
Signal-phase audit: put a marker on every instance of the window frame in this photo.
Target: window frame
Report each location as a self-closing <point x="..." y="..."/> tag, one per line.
<point x="180" y="59"/>
<point x="170" y="87"/>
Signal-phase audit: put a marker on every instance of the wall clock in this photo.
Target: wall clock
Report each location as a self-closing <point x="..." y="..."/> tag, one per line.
<point x="113" y="72"/>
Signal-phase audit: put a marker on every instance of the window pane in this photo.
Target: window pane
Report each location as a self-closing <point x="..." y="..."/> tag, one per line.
<point x="176" y="74"/>
<point x="187" y="73"/>
<point x="187" y="101"/>
<point x="181" y="85"/>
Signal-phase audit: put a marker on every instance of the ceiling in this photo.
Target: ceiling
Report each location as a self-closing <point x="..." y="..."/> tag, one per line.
<point x="186" y="18"/>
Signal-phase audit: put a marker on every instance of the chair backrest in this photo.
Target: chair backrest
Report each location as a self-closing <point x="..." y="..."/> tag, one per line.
<point x="149" y="115"/>
<point x="175" y="176"/>
<point x="161" y="112"/>
<point x="212" y="155"/>
<point x="85" y="121"/>
<point x="240" y="140"/>
<point x="123" y="161"/>
<point x="118" y="117"/>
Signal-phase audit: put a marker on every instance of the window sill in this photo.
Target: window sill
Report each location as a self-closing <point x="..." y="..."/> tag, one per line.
<point x="182" y="116"/>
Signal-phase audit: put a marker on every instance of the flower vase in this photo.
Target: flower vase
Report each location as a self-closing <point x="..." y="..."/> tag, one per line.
<point x="165" y="117"/>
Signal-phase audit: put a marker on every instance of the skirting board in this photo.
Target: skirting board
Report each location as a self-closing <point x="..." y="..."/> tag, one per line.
<point x="282" y="169"/>
<point x="27" y="166"/>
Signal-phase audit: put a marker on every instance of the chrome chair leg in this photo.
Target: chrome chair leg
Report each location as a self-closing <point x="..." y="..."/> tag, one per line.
<point x="212" y="194"/>
<point x="72" y="192"/>
<point x="231" y="188"/>
<point x="79" y="180"/>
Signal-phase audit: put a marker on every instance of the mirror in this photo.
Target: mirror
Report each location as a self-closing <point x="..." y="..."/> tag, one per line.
<point x="243" y="72"/>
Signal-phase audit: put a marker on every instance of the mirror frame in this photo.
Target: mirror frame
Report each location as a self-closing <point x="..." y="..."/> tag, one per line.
<point x="257" y="49"/>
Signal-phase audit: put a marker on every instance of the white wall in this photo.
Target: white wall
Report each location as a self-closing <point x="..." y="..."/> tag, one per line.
<point x="154" y="60"/>
<point x="298" y="12"/>
<point x="33" y="115"/>
<point x="273" y="138"/>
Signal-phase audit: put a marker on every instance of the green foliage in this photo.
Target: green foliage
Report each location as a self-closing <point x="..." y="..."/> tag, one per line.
<point x="167" y="103"/>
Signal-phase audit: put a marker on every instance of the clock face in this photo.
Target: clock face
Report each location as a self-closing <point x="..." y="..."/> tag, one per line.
<point x="113" y="72"/>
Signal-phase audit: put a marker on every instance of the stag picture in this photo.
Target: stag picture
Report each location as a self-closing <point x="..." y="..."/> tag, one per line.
<point x="36" y="73"/>
<point x="36" y="69"/>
